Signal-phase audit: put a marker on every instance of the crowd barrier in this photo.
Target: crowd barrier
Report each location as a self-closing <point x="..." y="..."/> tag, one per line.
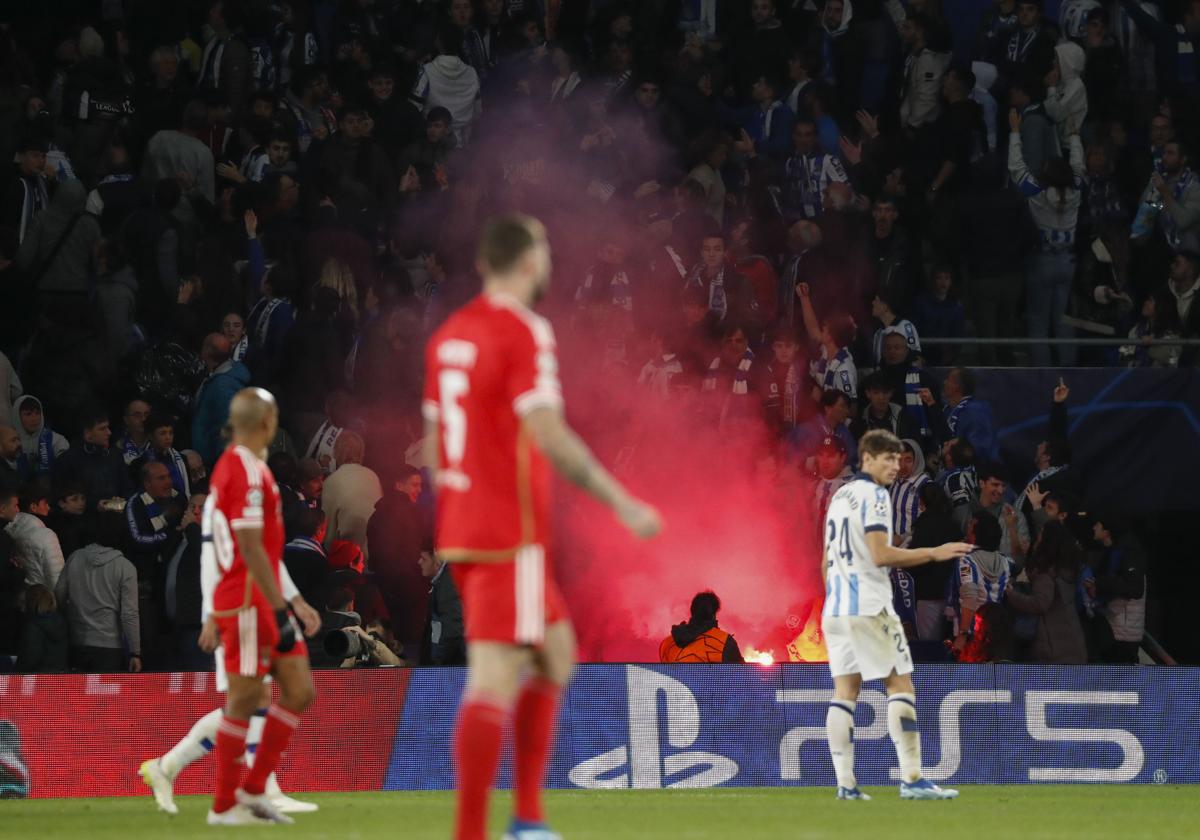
<point x="637" y="726"/>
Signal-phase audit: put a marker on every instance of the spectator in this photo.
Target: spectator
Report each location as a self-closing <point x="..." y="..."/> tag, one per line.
<point x="350" y="494"/>
<point x="183" y="595"/>
<point x="889" y="248"/>
<point x="982" y="577"/>
<point x="924" y="68"/>
<point x="305" y="101"/>
<point x="1066" y="95"/>
<point x="1014" y="529"/>
<point x="182" y="154"/>
<point x="69" y="517"/>
<point x="996" y="27"/>
<point x="727" y="379"/>
<point x="767" y="123"/>
<point x="832" y="473"/>
<point x="35" y="545"/>
<point x="160" y="431"/>
<point x="135" y="444"/>
<point x="906" y="491"/>
<point x="938" y="312"/>
<point x="443" y="633"/>
<point x="40" y="445"/>
<point x="26" y="195"/>
<point x="225" y="378"/>
<point x="964" y="417"/>
<point x="1029" y="50"/>
<point x="305" y="558"/>
<point x="710" y="152"/>
<point x="43" y="634"/>
<point x="99" y="593"/>
<point x="58" y="250"/>
<point x="780" y="384"/>
<point x="449" y="82"/>
<point x="879" y="411"/>
<point x="1038" y="135"/>
<point x="1053" y="576"/>
<point x="830" y="422"/>
<point x="808" y="173"/>
<point x="148" y="516"/>
<point x="398" y="532"/>
<point x="899" y="366"/>
<point x="957" y="479"/>
<point x="883" y="309"/>
<point x="1052" y="460"/>
<point x="12" y="469"/>
<point x="834" y="368"/>
<point x="1177" y="191"/>
<point x="226" y="63"/>
<point x="699" y="639"/>
<point x="730" y="296"/>
<point x="1175" y="302"/>
<point x="94" y="463"/>
<point x="1119" y="587"/>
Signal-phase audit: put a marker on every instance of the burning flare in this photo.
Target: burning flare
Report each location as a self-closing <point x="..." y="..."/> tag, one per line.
<point x="758" y="657"/>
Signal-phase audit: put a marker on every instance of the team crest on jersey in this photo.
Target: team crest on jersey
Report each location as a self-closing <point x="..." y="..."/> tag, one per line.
<point x="881" y="507"/>
<point x="254" y="497"/>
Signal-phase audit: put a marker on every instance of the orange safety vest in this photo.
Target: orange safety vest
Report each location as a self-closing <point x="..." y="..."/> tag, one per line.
<point x="708" y="647"/>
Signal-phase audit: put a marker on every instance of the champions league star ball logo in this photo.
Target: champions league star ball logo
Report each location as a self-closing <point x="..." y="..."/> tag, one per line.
<point x="14" y="775"/>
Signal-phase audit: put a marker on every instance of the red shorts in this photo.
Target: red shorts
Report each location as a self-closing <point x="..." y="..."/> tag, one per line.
<point x="248" y="638"/>
<point x="509" y="602"/>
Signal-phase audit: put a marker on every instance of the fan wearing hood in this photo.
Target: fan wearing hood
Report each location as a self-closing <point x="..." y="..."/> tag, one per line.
<point x="832" y="42"/>
<point x="449" y="82"/>
<point x="699" y="639"/>
<point x="40" y="445"/>
<point x="906" y="490"/>
<point x="1066" y="96"/>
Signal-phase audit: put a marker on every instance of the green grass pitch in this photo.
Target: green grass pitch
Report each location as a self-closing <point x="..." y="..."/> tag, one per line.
<point x="1024" y="812"/>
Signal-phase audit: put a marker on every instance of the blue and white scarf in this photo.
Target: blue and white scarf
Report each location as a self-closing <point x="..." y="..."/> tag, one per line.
<point x="132" y="452"/>
<point x="718" y="300"/>
<point x="741" y="376"/>
<point x="1170" y="226"/>
<point x="177" y="467"/>
<point x="913" y="406"/>
<point x="618" y="284"/>
<point x="1037" y="479"/>
<point x="952" y="415"/>
<point x="44" y="463"/>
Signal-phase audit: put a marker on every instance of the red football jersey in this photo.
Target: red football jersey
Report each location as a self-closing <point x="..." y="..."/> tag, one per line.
<point x="492" y="362"/>
<point x="242" y="494"/>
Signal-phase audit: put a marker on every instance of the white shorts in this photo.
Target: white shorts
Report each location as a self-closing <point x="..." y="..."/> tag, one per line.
<point x="872" y="646"/>
<point x="222" y="677"/>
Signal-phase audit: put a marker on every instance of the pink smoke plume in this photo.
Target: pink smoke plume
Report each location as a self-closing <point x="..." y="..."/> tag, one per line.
<point x="738" y="522"/>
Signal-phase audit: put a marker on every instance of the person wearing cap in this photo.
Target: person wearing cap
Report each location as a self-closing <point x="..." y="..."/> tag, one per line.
<point x="26" y="194"/>
<point x="832" y="472"/>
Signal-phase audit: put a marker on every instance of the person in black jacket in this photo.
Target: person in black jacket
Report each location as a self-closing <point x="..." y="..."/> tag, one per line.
<point x="936" y="525"/>
<point x="43" y="635"/>
<point x="397" y="533"/>
<point x="305" y="558"/>
<point x="183" y="596"/>
<point x="442" y="641"/>
<point x="93" y="463"/>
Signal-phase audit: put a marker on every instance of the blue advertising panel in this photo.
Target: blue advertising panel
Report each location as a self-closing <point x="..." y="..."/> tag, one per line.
<point x="634" y="726"/>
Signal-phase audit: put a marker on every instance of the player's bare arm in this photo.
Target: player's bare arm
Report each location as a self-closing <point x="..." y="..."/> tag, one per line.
<point x="884" y="554"/>
<point x="573" y="460"/>
<point x="430" y="446"/>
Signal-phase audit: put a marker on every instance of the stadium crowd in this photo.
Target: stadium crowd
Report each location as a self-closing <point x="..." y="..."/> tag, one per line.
<point x="758" y="209"/>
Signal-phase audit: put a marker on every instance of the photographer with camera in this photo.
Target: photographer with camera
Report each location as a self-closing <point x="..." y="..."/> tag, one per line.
<point x="343" y="642"/>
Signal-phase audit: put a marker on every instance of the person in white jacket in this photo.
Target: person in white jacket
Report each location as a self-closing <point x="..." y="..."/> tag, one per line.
<point x="1066" y="97"/>
<point x="449" y="82"/>
<point x="36" y="545"/>
<point x="1054" y="201"/>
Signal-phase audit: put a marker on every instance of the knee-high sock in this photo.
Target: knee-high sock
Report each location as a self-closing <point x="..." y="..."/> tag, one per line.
<point x="477" y="756"/>
<point x="839" y="730"/>
<point x="902" y="727"/>
<point x="533" y="730"/>
<point x="197" y="743"/>
<point x="231" y="743"/>
<point x="277" y="732"/>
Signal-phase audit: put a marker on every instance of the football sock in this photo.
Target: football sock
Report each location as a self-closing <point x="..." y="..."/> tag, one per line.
<point x="902" y="727"/>
<point x="476" y="756"/>
<point x="197" y="743"/>
<point x="277" y="732"/>
<point x="231" y="743"/>
<point x="254" y="734"/>
<point x="533" y="731"/>
<point x="839" y="730"/>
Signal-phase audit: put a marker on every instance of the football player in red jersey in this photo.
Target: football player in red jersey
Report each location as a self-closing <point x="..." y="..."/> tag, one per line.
<point x="243" y="531"/>
<point x="494" y="423"/>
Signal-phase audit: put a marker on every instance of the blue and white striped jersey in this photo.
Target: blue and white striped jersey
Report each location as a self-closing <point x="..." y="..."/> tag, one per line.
<point x="982" y="577"/>
<point x="854" y="585"/>
<point x="906" y="504"/>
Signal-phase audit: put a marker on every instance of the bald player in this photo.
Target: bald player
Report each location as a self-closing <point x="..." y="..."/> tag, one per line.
<point x="243" y="533"/>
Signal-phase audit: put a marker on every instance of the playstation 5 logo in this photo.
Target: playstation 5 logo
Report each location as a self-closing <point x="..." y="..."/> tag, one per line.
<point x="641" y="762"/>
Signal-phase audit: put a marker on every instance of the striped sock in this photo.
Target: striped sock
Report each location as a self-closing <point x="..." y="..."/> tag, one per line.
<point x="254" y="734"/>
<point x="197" y="743"/>
<point x="278" y="731"/>
<point x="839" y="730"/>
